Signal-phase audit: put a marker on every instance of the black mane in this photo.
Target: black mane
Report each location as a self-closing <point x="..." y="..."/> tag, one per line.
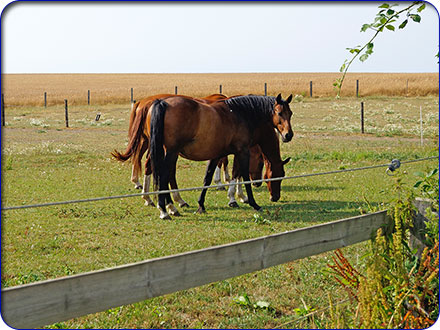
<point x="252" y="108"/>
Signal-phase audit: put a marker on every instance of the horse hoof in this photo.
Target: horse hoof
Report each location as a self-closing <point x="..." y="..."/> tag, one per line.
<point x="176" y="214"/>
<point x="165" y="217"/>
<point x="184" y="204"/>
<point x="200" y="210"/>
<point x="149" y="203"/>
<point x="233" y="204"/>
<point x="221" y="188"/>
<point x="138" y="187"/>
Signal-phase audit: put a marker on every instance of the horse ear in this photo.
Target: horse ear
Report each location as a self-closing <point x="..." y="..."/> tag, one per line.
<point x="289" y="99"/>
<point x="279" y="99"/>
<point x="286" y="161"/>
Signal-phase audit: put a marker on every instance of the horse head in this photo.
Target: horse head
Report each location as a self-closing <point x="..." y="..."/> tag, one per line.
<point x="275" y="170"/>
<point x="281" y="117"/>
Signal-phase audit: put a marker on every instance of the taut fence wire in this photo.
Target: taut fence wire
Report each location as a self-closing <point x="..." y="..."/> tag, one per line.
<point x="390" y="167"/>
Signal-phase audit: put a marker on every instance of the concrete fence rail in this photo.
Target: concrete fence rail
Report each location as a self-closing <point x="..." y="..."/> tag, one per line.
<point x="46" y="302"/>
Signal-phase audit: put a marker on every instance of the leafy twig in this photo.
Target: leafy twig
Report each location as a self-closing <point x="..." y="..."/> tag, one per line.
<point x="383" y="20"/>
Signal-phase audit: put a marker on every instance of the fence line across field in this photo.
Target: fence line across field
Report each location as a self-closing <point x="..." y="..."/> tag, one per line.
<point x="390" y="167"/>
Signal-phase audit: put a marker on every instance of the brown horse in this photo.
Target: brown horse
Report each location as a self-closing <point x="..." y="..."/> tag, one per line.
<point x="200" y="132"/>
<point x="138" y="144"/>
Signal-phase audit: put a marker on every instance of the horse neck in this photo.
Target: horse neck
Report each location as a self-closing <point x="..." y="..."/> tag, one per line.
<point x="269" y="143"/>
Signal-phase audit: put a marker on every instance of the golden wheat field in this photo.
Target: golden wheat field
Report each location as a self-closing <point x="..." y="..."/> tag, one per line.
<point x="29" y="89"/>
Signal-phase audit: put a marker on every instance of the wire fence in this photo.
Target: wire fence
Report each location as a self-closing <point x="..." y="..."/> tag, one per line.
<point x="391" y="167"/>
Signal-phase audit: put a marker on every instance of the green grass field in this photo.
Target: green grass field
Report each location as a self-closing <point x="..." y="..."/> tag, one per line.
<point x="42" y="161"/>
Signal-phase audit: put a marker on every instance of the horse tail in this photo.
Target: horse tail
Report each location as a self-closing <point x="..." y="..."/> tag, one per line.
<point x="136" y="136"/>
<point x="157" y="124"/>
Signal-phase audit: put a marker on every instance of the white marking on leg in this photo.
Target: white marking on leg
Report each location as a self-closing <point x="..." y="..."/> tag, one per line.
<point x="231" y="193"/>
<point x="172" y="209"/>
<point x="217" y="178"/>
<point x="241" y="196"/>
<point x="135" y="179"/>
<point x="163" y="214"/>
<point x="146" y="189"/>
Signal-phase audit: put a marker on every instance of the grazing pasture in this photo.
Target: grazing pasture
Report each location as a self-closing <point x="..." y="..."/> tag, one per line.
<point x="42" y="162"/>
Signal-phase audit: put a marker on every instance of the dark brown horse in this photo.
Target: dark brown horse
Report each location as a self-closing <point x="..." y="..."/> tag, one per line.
<point x="200" y="132"/>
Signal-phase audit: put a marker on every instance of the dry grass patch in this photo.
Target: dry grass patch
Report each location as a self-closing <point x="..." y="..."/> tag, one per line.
<point x="28" y="89"/>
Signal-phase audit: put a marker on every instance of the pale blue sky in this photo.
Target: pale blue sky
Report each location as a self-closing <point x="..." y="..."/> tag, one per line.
<point x="142" y="37"/>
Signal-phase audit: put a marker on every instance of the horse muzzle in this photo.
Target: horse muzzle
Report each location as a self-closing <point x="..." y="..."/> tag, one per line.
<point x="287" y="137"/>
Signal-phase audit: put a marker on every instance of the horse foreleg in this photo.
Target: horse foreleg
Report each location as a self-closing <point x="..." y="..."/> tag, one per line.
<point x="231" y="191"/>
<point x="243" y="159"/>
<point x="217" y="174"/>
<point x="206" y="182"/>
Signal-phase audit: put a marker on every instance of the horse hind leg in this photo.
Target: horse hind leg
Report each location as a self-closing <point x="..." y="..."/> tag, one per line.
<point x="147" y="180"/>
<point x="135" y="178"/>
<point x="146" y="189"/>
<point x="176" y="195"/>
<point x="138" y="166"/>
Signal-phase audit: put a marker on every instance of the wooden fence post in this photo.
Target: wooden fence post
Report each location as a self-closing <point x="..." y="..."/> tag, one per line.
<point x="311" y="88"/>
<point x="67" y="113"/>
<point x="175" y="90"/>
<point x="88" y="97"/>
<point x="220" y="89"/>
<point x="362" y="117"/>
<point x="131" y="98"/>
<point x="45" y="99"/>
<point x="357" y="87"/>
<point x="3" y="110"/>
<point x="265" y="89"/>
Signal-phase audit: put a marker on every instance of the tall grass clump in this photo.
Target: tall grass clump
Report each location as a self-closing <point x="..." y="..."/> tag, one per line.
<point x="397" y="288"/>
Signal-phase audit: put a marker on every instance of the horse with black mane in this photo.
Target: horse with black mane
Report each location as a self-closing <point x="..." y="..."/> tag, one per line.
<point x="200" y="132"/>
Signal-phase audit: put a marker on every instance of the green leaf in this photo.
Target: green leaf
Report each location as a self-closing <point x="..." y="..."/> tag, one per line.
<point x="421" y="8"/>
<point x="369" y="50"/>
<point x="390" y="12"/>
<point x="433" y="172"/>
<point x="365" y="27"/>
<point x="383" y="20"/>
<point x="385" y="5"/>
<point x="390" y="27"/>
<point x="417" y="184"/>
<point x="401" y="26"/>
<point x="363" y="58"/>
<point x="415" y="17"/>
